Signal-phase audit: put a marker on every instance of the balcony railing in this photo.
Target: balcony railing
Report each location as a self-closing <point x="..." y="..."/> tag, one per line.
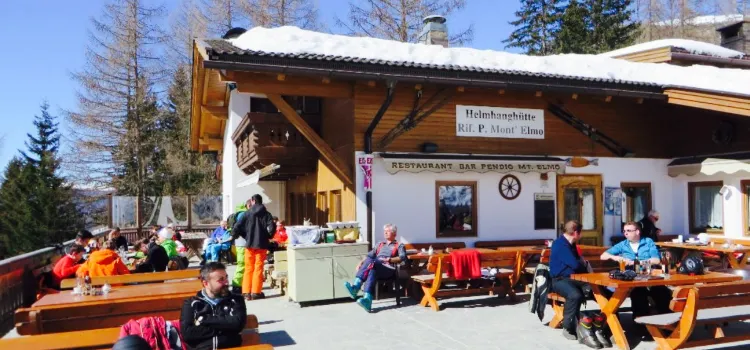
<point x="263" y="139"/>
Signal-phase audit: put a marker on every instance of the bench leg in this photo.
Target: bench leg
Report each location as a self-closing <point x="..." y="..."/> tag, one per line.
<point x="429" y="299"/>
<point x="662" y="340"/>
<point x="558" y="317"/>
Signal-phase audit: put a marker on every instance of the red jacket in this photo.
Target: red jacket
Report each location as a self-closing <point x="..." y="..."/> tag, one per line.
<point x="153" y="330"/>
<point x="66" y="267"/>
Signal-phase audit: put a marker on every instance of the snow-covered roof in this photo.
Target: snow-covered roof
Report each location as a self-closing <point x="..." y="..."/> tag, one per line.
<point x="692" y="46"/>
<point x="292" y="41"/>
<point x="703" y="20"/>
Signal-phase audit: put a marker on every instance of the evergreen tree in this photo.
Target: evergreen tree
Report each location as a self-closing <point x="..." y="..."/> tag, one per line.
<point x="536" y="24"/>
<point x="573" y="34"/>
<point x="37" y="205"/>
<point x="188" y="172"/>
<point x="612" y="24"/>
<point x="16" y="221"/>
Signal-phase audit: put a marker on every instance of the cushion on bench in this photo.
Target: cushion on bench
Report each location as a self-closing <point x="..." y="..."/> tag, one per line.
<point x="705" y="316"/>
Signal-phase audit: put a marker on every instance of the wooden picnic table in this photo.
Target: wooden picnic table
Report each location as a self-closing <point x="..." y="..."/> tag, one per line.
<point x="193" y="241"/>
<point x="609" y="307"/>
<point x="120" y="293"/>
<point x="727" y="253"/>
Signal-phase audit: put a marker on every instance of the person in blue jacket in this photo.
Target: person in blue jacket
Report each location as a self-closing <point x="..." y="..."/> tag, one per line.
<point x="564" y="261"/>
<point x="644" y="249"/>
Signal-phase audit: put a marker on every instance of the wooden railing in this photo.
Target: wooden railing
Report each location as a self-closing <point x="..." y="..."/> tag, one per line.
<point x="18" y="278"/>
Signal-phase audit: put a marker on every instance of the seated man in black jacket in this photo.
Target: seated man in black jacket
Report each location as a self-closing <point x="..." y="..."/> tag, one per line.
<point x="156" y="256"/>
<point x="213" y="318"/>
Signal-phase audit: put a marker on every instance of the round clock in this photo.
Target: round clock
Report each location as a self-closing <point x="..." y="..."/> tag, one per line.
<point x="510" y="187"/>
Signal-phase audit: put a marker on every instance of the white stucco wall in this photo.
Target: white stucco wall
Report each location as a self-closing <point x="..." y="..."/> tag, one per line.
<point x="408" y="200"/>
<point x="273" y="192"/>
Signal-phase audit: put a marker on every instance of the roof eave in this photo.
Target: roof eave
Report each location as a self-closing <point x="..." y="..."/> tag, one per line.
<point x="369" y="71"/>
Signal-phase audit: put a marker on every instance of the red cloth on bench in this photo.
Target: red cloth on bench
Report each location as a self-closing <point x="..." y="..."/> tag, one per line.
<point x="465" y="264"/>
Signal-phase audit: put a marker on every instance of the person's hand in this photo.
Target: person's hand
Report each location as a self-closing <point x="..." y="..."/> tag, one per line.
<point x="358" y="266"/>
<point x="627" y="261"/>
<point x="658" y="231"/>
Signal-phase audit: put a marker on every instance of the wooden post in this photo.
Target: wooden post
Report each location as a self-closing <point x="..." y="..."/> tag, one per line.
<point x="190" y="212"/>
<point x="110" y="219"/>
<point x="138" y="215"/>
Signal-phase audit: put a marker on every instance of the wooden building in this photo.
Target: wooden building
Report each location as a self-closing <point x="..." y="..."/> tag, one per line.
<point x="464" y="153"/>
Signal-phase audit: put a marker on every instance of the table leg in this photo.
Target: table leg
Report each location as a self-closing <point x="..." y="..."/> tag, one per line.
<point x="734" y="262"/>
<point x="609" y="309"/>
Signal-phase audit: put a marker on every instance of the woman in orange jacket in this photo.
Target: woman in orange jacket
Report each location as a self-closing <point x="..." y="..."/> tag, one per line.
<point x="103" y="262"/>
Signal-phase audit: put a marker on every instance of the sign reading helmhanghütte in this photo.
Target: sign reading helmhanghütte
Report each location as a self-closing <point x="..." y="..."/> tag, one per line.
<point x="498" y="122"/>
<point x="478" y="166"/>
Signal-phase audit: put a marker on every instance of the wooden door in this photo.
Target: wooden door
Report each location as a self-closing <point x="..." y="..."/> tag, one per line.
<point x="579" y="197"/>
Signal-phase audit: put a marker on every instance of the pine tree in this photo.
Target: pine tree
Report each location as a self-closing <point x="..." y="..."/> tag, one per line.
<point x="573" y="34"/>
<point x="536" y="24"/>
<point x="16" y="221"/>
<point x="37" y="204"/>
<point x="401" y="21"/>
<point x="612" y="24"/>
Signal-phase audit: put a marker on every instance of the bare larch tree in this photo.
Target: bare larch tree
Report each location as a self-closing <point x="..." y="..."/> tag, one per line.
<point x="114" y="132"/>
<point x="277" y="13"/>
<point x="400" y="20"/>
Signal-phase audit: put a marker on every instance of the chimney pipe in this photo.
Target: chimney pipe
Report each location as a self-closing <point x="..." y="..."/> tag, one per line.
<point x="434" y="32"/>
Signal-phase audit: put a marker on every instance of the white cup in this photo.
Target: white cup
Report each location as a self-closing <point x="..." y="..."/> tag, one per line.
<point x="680" y="239"/>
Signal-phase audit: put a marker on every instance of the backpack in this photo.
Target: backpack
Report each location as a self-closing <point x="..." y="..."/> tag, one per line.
<point x="269" y="224"/>
<point x="233" y="218"/>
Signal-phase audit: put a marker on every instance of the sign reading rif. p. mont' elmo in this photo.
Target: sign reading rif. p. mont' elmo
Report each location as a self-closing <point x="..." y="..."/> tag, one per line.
<point x="512" y="123"/>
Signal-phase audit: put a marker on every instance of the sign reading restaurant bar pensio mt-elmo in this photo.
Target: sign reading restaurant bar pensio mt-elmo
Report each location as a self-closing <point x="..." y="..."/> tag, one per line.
<point x="499" y="122"/>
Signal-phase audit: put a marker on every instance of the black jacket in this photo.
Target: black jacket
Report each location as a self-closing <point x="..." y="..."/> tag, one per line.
<point x="256" y="226"/>
<point x="121" y="242"/>
<point x="221" y="324"/>
<point x="156" y="259"/>
<point x="648" y="229"/>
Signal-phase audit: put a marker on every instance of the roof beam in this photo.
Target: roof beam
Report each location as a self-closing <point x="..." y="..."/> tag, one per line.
<point x="213" y="144"/>
<point x="215" y="112"/>
<point x="710" y="101"/>
<point x="291" y="85"/>
<point x="329" y="155"/>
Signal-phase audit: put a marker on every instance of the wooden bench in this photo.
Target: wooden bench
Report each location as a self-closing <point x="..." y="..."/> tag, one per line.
<point x="513" y="243"/>
<point x="106" y="337"/>
<point x="85" y="316"/>
<point x="712" y="305"/>
<point x="593" y="256"/>
<point x="438" y="265"/>
<point x="150" y="277"/>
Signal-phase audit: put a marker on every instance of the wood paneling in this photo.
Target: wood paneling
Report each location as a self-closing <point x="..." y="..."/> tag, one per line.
<point x="662" y="54"/>
<point x="653" y="129"/>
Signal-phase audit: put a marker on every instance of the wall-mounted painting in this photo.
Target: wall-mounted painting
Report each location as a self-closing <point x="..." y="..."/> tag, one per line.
<point x="456" y="208"/>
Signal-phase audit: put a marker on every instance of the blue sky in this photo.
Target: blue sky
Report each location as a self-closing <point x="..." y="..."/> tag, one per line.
<point x="44" y="42"/>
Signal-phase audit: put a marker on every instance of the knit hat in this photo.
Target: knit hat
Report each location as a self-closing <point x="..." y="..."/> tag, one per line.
<point x="165" y="234"/>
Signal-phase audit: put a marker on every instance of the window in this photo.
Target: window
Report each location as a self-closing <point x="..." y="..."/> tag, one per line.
<point x="334" y="214"/>
<point x="579" y="206"/>
<point x="637" y="200"/>
<point x="456" y="208"/>
<point x="745" y="185"/>
<point x="706" y="207"/>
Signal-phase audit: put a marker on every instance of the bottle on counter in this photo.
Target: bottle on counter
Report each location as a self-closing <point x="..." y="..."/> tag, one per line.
<point x="87" y="284"/>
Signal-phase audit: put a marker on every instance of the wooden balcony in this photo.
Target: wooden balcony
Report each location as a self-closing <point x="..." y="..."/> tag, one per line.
<point x="263" y="139"/>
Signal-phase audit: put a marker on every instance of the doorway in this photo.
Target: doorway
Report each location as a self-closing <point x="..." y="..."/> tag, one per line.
<point x="579" y="197"/>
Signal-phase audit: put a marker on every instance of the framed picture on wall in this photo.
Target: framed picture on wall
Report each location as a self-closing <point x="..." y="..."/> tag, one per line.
<point x="456" y="208"/>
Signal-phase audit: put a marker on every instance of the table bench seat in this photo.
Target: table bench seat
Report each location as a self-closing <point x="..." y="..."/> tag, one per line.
<point x="704" y="316"/>
<point x="434" y="286"/>
<point x="104" y="338"/>
<point x="709" y="304"/>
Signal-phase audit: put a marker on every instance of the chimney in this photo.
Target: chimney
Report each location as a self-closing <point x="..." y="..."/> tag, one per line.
<point x="434" y="32"/>
<point x="736" y="36"/>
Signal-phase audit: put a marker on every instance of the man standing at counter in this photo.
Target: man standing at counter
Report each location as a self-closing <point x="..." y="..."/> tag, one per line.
<point x="378" y="264"/>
